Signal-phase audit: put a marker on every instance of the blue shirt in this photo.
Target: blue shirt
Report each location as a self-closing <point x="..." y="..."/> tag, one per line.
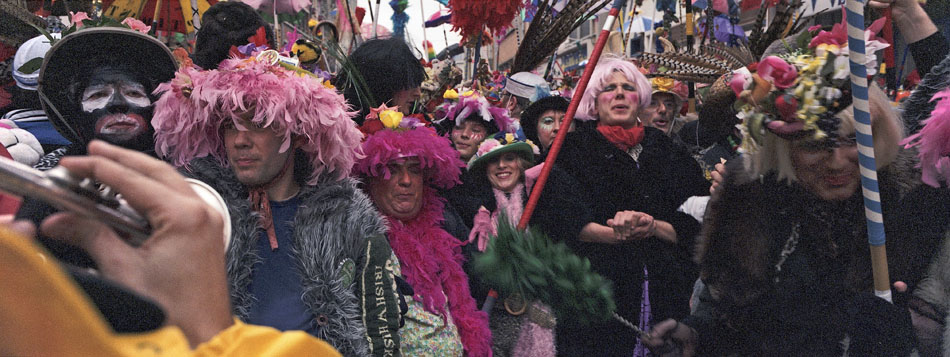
<point x="276" y="283"/>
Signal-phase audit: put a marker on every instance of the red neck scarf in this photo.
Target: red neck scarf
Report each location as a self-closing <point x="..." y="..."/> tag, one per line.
<point x="622" y="138"/>
<point x="260" y="203"/>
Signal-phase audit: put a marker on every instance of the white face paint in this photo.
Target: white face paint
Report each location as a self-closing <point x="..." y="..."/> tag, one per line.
<point x="98" y="96"/>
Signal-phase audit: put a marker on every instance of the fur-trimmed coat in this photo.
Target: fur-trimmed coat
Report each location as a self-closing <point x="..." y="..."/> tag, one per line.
<point x="758" y="303"/>
<point x="342" y="256"/>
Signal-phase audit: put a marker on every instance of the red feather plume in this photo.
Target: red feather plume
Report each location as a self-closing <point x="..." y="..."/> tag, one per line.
<point x="471" y="16"/>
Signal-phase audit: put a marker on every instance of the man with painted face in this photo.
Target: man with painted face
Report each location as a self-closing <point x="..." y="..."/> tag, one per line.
<point x="97" y="83"/>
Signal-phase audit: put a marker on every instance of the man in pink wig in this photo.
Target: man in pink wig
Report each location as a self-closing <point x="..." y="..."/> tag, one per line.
<point x="406" y="164"/>
<point x="308" y="250"/>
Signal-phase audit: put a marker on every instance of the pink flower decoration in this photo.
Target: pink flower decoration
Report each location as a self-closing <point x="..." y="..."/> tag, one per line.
<point x="780" y="73"/>
<point x="738" y="82"/>
<point x="487" y="146"/>
<point x="136" y="25"/>
<point x="814" y="28"/>
<point x="77" y="17"/>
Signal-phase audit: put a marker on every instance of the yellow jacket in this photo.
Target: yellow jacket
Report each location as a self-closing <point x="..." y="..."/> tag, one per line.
<point x="44" y="313"/>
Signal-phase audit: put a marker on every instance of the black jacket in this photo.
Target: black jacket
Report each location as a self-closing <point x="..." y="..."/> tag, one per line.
<point x="662" y="178"/>
<point x="822" y="290"/>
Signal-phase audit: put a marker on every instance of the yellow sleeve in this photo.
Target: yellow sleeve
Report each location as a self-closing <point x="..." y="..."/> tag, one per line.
<point x="251" y="340"/>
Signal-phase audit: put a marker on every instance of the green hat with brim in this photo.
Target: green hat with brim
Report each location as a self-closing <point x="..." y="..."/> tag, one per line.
<point x="492" y="148"/>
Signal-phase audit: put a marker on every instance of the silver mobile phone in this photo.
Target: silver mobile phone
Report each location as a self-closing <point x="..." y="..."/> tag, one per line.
<point x="59" y="188"/>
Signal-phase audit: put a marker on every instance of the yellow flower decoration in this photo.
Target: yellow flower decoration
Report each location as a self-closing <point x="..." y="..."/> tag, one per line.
<point x="390" y="118"/>
<point x="328" y="85"/>
<point x="664" y="84"/>
<point x="509" y="138"/>
<point x="468" y="93"/>
<point x="450" y="94"/>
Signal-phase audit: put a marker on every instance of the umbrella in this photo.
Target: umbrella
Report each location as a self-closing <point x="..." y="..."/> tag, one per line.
<point x="639" y="24"/>
<point x="181" y="16"/>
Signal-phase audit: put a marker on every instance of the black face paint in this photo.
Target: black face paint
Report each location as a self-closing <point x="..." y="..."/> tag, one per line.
<point x="116" y="108"/>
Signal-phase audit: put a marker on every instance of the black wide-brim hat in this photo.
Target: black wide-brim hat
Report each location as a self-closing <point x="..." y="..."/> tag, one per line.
<point x="147" y="57"/>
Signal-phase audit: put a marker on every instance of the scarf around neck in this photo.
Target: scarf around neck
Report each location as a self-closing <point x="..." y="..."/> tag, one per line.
<point x="624" y="139"/>
<point x="431" y="261"/>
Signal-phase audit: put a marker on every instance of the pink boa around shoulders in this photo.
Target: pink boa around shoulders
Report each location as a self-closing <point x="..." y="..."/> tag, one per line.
<point x="431" y="261"/>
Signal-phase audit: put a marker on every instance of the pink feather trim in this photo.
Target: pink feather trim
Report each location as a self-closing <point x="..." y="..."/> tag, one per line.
<point x="434" y="152"/>
<point x="195" y="104"/>
<point x="477" y="104"/>
<point x="933" y="142"/>
<point x="431" y="261"/>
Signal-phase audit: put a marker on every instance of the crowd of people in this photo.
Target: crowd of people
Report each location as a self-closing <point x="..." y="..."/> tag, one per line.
<point x="354" y="205"/>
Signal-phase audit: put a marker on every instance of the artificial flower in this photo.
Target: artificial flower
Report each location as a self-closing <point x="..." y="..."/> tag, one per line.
<point x="509" y="138"/>
<point x="390" y="118"/>
<point x="77" y="17"/>
<point x="487" y="146"/>
<point x="663" y="84"/>
<point x="741" y="80"/>
<point x="136" y="25"/>
<point x="780" y="73"/>
<point x="374" y="112"/>
<point x="328" y="85"/>
<point x="450" y="94"/>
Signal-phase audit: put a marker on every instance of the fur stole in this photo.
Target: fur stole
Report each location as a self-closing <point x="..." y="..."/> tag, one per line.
<point x="332" y="224"/>
<point x="431" y="261"/>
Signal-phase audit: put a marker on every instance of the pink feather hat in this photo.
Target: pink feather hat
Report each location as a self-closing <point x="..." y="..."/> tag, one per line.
<point x="195" y="104"/>
<point x="474" y="103"/>
<point x="407" y="137"/>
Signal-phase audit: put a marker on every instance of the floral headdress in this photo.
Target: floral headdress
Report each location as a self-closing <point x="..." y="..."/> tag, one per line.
<point x="195" y="104"/>
<point x="471" y="102"/>
<point x="501" y="143"/>
<point x="391" y="136"/>
<point x="796" y="95"/>
<point x="933" y="142"/>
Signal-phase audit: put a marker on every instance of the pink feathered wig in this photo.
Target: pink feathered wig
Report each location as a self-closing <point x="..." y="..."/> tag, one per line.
<point x="190" y="112"/>
<point x="435" y="153"/>
<point x="587" y="109"/>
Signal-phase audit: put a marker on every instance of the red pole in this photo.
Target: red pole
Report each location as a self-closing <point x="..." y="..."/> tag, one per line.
<point x="562" y="132"/>
<point x="569" y="116"/>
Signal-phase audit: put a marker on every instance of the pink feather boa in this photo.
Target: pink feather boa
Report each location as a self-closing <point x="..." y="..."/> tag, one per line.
<point x="933" y="142"/>
<point x="195" y="103"/>
<point x="431" y="260"/>
<point x="435" y="153"/>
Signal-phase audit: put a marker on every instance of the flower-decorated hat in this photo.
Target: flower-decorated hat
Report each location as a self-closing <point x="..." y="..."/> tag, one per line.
<point x="392" y="136"/>
<point x="669" y="85"/>
<point x="473" y="103"/>
<point x="292" y="101"/>
<point x="500" y="144"/>
<point x="797" y="94"/>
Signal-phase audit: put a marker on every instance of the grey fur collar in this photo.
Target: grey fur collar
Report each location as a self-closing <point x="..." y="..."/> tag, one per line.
<point x="332" y="224"/>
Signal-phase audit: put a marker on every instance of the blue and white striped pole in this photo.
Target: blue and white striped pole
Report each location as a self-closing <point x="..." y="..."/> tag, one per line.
<point x="862" y="117"/>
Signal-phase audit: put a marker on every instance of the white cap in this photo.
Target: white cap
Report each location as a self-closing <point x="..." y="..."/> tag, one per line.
<point x="33" y="48"/>
<point x="523" y="84"/>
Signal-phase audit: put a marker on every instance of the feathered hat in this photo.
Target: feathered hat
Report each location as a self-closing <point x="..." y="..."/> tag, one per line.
<point x="473" y="103"/>
<point x="293" y="102"/>
<point x="391" y="136"/>
<point x="933" y="142"/>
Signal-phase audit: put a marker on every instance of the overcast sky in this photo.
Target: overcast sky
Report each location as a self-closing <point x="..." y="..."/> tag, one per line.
<point x="414" y="29"/>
